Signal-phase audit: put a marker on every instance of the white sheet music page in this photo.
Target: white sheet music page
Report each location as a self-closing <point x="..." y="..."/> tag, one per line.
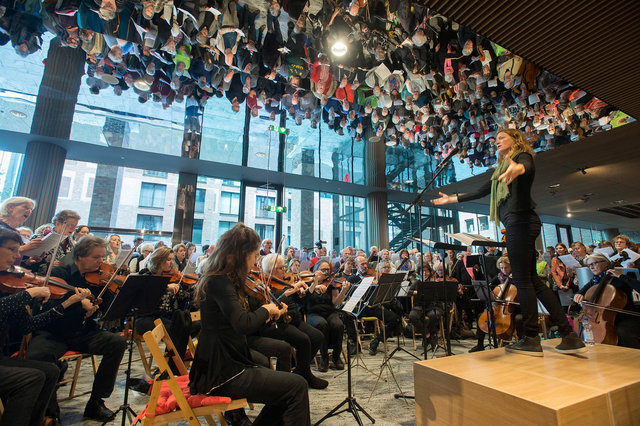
<point x="468" y="239"/>
<point x="357" y="294"/>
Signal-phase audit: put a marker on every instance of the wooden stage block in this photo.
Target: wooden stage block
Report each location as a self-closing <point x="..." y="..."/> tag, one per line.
<point x="493" y="387"/>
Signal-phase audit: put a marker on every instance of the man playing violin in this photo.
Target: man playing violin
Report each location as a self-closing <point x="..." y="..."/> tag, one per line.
<point x="27" y="385"/>
<point x="77" y="329"/>
<point x="627" y="325"/>
<point x="304" y="338"/>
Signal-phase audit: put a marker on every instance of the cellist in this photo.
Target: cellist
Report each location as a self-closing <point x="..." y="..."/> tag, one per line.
<point x="627" y="326"/>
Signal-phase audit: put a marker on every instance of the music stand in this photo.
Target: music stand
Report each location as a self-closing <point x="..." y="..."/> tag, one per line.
<point x="139" y="294"/>
<point x="436" y="291"/>
<point x="387" y="288"/>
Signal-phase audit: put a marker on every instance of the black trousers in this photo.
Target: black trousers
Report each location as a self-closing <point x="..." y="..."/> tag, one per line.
<point x="521" y="231"/>
<point x="391" y="321"/>
<point x="305" y="339"/>
<point x="26" y="387"/>
<point x="285" y="396"/>
<point x="332" y="328"/>
<point x="269" y="347"/>
<point x="44" y="346"/>
<point x="430" y="324"/>
<point x="628" y="330"/>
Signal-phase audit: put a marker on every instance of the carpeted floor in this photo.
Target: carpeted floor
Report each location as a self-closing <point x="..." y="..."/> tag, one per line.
<point x="377" y="399"/>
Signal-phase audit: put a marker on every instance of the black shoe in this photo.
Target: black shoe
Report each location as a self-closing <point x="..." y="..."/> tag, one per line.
<point x="476" y="348"/>
<point x="316" y="382"/>
<point x="96" y="410"/>
<point x="138" y="385"/>
<point x="237" y="417"/>
<point x="373" y="347"/>
<point x="526" y="346"/>
<point x="323" y="367"/>
<point x="571" y="344"/>
<point x="337" y="361"/>
<point x="352" y="347"/>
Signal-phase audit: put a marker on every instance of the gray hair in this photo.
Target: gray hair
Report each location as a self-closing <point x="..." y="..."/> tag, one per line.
<point x="269" y="262"/>
<point x="63" y="215"/>
<point x="598" y="257"/>
<point x="14" y="201"/>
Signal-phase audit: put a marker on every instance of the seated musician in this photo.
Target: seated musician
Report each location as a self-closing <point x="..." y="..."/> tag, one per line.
<point x="27" y="385"/>
<point x="349" y="267"/>
<point x="304" y="338"/>
<point x="173" y="306"/>
<point x="222" y="364"/>
<point x="425" y="323"/>
<point x="320" y="306"/>
<point x="405" y="263"/>
<point x="77" y="329"/>
<point x="68" y="217"/>
<point x="627" y="325"/>
<point x="505" y="272"/>
<point x="391" y="319"/>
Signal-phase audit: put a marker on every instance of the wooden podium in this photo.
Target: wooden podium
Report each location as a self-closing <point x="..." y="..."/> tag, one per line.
<point x="493" y="387"/>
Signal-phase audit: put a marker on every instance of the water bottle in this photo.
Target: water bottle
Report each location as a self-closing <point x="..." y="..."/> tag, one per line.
<point x="587" y="331"/>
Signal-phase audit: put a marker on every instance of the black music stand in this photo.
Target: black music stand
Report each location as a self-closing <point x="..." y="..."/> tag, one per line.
<point x="400" y="277"/>
<point x="436" y="291"/>
<point x="351" y="310"/>
<point x="140" y="294"/>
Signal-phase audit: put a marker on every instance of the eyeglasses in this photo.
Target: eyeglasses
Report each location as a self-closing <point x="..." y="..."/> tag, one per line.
<point x="593" y="264"/>
<point x="619" y="242"/>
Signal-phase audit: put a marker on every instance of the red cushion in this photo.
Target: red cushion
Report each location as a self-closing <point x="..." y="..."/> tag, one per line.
<point x="70" y="353"/>
<point x="167" y="402"/>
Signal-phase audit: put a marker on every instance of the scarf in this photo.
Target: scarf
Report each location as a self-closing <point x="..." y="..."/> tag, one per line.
<point x="499" y="189"/>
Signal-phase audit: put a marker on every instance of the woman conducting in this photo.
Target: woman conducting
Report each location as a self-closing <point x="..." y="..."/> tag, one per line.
<point x="222" y="364"/>
<point x="511" y="204"/>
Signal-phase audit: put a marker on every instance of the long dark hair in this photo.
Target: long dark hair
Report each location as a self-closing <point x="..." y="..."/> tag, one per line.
<point x="229" y="258"/>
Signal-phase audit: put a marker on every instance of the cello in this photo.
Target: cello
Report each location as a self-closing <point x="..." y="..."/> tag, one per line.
<point x="506" y="296"/>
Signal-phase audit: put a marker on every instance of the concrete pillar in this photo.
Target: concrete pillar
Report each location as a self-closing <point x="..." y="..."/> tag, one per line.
<point x="307" y="202"/>
<point x="377" y="214"/>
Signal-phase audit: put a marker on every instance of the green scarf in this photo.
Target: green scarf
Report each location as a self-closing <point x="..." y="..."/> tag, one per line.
<point x="499" y="190"/>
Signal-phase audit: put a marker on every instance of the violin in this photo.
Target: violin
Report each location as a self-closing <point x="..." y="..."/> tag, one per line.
<point x="506" y="296"/>
<point x="106" y="276"/>
<point x="253" y="287"/>
<point x="176" y="276"/>
<point x="600" y="306"/>
<point x="19" y="279"/>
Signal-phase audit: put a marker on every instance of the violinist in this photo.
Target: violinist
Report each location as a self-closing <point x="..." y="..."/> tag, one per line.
<point x="349" y="268"/>
<point x="222" y="363"/>
<point x="373" y="256"/>
<point x="627" y="325"/>
<point x="429" y="322"/>
<point x="405" y="263"/>
<point x="391" y="319"/>
<point x="27" y="385"/>
<point x="77" y="329"/>
<point x="511" y="203"/>
<point x="320" y="305"/>
<point x="505" y="272"/>
<point x="62" y="218"/>
<point x="304" y="338"/>
<point x="171" y="309"/>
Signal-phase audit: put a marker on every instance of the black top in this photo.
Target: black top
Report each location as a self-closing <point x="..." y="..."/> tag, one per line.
<point x="321" y="304"/>
<point x="223" y="353"/>
<point x="519" y="199"/>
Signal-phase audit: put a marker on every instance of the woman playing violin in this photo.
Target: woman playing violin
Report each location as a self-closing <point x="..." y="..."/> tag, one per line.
<point x="222" y="364"/>
<point x="27" y="386"/>
<point x="320" y="306"/>
<point x="304" y="338"/>
<point x="171" y="309"/>
<point x="627" y="326"/>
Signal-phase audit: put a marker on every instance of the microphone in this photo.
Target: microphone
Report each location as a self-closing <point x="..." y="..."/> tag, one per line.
<point x="446" y="160"/>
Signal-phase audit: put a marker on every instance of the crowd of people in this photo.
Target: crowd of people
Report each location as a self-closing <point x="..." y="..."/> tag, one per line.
<point x="306" y="321"/>
<point x="409" y="75"/>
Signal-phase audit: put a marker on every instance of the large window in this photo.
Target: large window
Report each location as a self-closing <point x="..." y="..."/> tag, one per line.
<point x="196" y="236"/>
<point x="229" y="202"/>
<point x="265" y="231"/>
<point x="224" y="226"/>
<point x="152" y="195"/>
<point x="149" y="222"/>
<point x="10" y="163"/>
<point x="261" y="204"/>
<point x="200" y="197"/>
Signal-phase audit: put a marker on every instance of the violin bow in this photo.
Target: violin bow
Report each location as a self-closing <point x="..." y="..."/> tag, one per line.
<point x="55" y="253"/>
<point x="115" y="272"/>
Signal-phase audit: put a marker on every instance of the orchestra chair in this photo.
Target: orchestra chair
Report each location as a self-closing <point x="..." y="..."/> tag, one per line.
<point x="362" y="322"/>
<point x="192" y="343"/>
<point x="69" y="356"/>
<point x="413" y="330"/>
<point x="146" y="360"/>
<point x="184" y="411"/>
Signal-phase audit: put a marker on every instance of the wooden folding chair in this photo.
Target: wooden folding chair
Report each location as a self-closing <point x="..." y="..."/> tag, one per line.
<point x="192" y="343"/>
<point x="184" y="411"/>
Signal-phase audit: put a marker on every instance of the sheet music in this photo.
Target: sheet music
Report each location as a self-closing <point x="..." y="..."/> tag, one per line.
<point x="189" y="269"/>
<point x="122" y="255"/>
<point x="569" y="261"/>
<point x="607" y="251"/>
<point x="48" y="243"/>
<point x="468" y="239"/>
<point x="357" y="294"/>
